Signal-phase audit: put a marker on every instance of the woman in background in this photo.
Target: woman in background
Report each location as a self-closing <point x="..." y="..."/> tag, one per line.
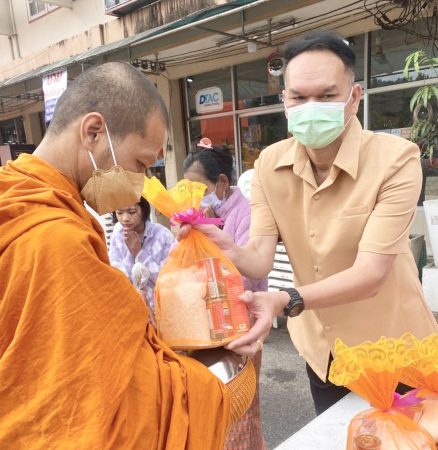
<point x="213" y="166"/>
<point x="136" y="239"/>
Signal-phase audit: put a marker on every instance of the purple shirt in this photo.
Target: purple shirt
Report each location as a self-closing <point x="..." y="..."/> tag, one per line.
<point x="236" y="213"/>
<point x="153" y="253"/>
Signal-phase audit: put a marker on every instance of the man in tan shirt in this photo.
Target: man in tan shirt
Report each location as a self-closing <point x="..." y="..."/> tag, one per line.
<point x="342" y="199"/>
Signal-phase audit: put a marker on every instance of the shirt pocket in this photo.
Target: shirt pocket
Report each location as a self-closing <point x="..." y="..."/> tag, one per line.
<point x="349" y="212"/>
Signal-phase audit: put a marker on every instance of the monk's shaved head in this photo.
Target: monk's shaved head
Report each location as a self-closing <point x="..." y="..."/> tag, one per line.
<point x="118" y="91"/>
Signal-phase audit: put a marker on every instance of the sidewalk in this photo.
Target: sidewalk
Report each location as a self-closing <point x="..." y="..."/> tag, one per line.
<point x="286" y="403"/>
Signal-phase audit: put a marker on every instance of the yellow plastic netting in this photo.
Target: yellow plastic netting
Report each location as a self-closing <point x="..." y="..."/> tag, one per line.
<point x="183" y="196"/>
<point x="373" y="370"/>
<point x="422" y="369"/>
<point x="422" y="373"/>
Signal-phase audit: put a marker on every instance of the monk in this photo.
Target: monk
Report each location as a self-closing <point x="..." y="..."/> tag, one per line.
<point x="80" y="365"/>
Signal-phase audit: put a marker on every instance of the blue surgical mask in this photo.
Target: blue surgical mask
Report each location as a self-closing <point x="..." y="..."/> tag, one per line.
<point x="212" y="200"/>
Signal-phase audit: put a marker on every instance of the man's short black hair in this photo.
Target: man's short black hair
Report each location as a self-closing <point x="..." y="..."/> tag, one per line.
<point x="320" y="40"/>
<point x="118" y="91"/>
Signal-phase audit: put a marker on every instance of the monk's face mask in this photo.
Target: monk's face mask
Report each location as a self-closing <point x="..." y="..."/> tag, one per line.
<point x="108" y="190"/>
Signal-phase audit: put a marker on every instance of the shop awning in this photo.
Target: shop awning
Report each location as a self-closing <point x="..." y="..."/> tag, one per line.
<point x="197" y="18"/>
<point x="38" y="72"/>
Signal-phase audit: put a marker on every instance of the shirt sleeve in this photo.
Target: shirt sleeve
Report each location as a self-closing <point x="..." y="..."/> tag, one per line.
<point x="262" y="220"/>
<point x="155" y="249"/>
<point x="388" y="226"/>
<point x="242" y="230"/>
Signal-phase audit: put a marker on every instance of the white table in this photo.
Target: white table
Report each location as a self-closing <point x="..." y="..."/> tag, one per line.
<point x="329" y="430"/>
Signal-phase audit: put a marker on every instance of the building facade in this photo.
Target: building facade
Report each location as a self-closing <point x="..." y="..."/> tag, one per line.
<point x="214" y="62"/>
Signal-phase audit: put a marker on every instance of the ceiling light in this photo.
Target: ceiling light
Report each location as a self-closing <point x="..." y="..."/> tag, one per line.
<point x="252" y="47"/>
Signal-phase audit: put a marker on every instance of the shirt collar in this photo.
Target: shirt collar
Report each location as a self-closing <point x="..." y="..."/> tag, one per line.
<point x="347" y="158"/>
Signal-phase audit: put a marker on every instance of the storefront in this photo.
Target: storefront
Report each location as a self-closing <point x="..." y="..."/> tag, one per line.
<point x="249" y="114"/>
<point x="12" y="131"/>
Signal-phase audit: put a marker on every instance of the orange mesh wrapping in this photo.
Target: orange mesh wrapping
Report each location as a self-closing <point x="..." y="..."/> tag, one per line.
<point x="373" y="370"/>
<point x="242" y="390"/>
<point x="422" y="373"/>
<point x="187" y="316"/>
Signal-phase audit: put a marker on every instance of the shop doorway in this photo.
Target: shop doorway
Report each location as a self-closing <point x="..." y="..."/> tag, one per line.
<point x="256" y="132"/>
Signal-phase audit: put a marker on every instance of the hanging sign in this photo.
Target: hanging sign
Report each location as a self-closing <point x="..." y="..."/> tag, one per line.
<point x="209" y="100"/>
<point x="54" y="84"/>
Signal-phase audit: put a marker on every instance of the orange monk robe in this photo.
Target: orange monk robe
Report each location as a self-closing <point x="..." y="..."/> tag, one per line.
<point x="77" y="369"/>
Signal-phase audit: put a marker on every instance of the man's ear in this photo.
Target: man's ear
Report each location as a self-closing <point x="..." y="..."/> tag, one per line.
<point x="91" y="130"/>
<point x="283" y="93"/>
<point x="357" y="94"/>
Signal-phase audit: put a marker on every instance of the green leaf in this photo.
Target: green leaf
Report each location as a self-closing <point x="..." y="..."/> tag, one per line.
<point x="408" y="62"/>
<point x="425" y="96"/>
<point x="434" y="92"/>
<point x="416" y="64"/>
<point x="415" y="98"/>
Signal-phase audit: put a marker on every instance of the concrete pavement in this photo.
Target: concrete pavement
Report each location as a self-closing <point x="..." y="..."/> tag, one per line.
<point x="286" y="403"/>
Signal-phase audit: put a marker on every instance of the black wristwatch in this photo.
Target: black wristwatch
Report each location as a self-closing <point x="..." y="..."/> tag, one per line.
<point x="296" y="303"/>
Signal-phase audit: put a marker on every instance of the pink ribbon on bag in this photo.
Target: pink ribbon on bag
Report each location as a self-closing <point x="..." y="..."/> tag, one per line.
<point x="407" y="400"/>
<point x="194" y="217"/>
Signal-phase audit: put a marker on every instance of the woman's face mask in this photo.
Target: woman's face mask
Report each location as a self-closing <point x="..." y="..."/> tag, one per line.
<point x="317" y="124"/>
<point x="108" y="190"/>
<point x="211" y="200"/>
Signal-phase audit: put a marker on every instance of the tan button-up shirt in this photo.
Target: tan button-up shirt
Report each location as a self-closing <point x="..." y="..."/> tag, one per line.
<point x="366" y="204"/>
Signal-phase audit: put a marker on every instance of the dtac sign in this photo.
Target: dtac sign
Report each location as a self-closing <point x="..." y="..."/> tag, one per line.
<point x="209" y="100"/>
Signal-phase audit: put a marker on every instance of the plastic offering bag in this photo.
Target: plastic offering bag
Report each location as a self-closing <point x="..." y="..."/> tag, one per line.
<point x="422" y="374"/>
<point x="197" y="291"/>
<point x="373" y="370"/>
<point x="140" y="277"/>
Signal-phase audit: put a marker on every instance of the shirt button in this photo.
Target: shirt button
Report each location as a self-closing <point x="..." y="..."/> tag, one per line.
<point x="315" y="268"/>
<point x="316" y="197"/>
<point x="327" y="327"/>
<point x="311" y="233"/>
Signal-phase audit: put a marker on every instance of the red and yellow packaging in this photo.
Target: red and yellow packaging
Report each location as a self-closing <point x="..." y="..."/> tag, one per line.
<point x="238" y="310"/>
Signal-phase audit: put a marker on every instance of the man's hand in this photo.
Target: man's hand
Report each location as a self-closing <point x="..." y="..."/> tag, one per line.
<point x="209" y="212"/>
<point x="215" y="234"/>
<point x="132" y="241"/>
<point x="253" y="260"/>
<point x="263" y="306"/>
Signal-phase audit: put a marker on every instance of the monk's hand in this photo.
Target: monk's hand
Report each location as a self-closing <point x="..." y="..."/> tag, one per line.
<point x="132" y="241"/>
<point x="263" y="307"/>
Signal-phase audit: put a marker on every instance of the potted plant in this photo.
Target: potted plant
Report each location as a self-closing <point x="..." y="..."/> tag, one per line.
<point x="424" y="132"/>
<point x="424" y="106"/>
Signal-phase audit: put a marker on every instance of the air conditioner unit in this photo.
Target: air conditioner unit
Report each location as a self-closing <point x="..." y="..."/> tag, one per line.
<point x="122" y="7"/>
